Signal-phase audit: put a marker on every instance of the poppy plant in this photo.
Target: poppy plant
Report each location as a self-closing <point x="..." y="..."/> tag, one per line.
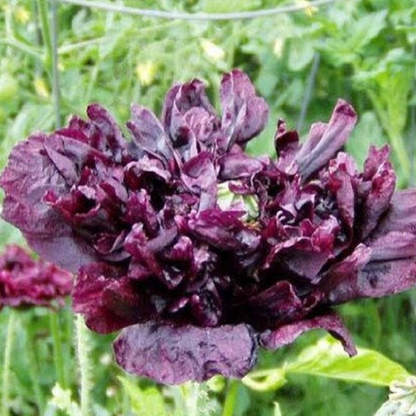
<point x="199" y="252"/>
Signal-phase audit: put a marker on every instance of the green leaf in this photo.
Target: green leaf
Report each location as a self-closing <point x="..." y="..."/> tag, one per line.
<point x="144" y="402"/>
<point x="367" y="132"/>
<point x="300" y="55"/>
<point x="365" y="29"/>
<point x="266" y="380"/>
<point x="328" y="359"/>
<point x="353" y="37"/>
<point x="389" y="87"/>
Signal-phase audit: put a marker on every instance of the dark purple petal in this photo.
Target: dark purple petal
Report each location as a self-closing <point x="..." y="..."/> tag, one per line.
<point x="384" y="278"/>
<point x="400" y="216"/>
<point x="137" y="172"/>
<point x="223" y="229"/>
<point x="140" y="210"/>
<point x="340" y="283"/>
<point x="373" y="272"/>
<point x="207" y="305"/>
<point x="287" y="148"/>
<point x="375" y="158"/>
<point x="63" y="163"/>
<point x="273" y="307"/>
<point x="305" y="255"/>
<point x="382" y="183"/>
<point x="108" y="300"/>
<point x="392" y="246"/>
<point x="29" y="175"/>
<point x="110" y="135"/>
<point x="244" y="114"/>
<point x="238" y="165"/>
<point x="342" y="171"/>
<point x="288" y="333"/>
<point x="199" y="175"/>
<point x="174" y="355"/>
<point x="316" y="132"/>
<point x="143" y="250"/>
<point x="203" y="125"/>
<point x="148" y="133"/>
<point x="185" y="97"/>
<point x="317" y="151"/>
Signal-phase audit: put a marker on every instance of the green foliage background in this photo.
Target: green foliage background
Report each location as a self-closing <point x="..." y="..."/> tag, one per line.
<point x="362" y="50"/>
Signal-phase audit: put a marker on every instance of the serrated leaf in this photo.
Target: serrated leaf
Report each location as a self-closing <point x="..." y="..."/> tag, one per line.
<point x="328" y="359"/>
<point x="144" y="402"/>
<point x="353" y="37"/>
<point x="365" y="29"/>
<point x="300" y="55"/>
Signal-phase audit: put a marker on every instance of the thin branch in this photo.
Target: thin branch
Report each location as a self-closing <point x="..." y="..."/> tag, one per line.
<point x="56" y="86"/>
<point x="197" y="16"/>
<point x="14" y="43"/>
<point x="309" y="88"/>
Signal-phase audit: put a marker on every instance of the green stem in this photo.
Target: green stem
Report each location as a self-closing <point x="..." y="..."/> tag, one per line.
<point x="58" y="357"/>
<point x="6" y="365"/>
<point x="230" y="398"/>
<point x="45" y="29"/>
<point x="22" y="47"/>
<point x="83" y="351"/>
<point x="34" y="369"/>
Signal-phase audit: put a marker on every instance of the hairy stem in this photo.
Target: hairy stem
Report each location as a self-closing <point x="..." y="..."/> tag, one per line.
<point x="5" y="388"/>
<point x="83" y="353"/>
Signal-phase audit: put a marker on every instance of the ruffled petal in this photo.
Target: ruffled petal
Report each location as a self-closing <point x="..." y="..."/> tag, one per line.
<point x="401" y="214"/>
<point x="340" y="283"/>
<point x="238" y="165"/>
<point x="377" y="199"/>
<point x="288" y="333"/>
<point x="244" y="114"/>
<point x="110" y="301"/>
<point x="148" y="133"/>
<point x="175" y="354"/>
<point x="29" y="175"/>
<point x="314" y="156"/>
<point x="274" y="306"/>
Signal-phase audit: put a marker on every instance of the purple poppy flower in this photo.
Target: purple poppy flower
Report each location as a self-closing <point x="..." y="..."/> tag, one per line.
<point x="27" y="282"/>
<point x="199" y="252"/>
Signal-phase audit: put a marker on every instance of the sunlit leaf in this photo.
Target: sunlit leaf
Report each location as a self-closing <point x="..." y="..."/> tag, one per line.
<point x="266" y="380"/>
<point x="144" y="402"/>
<point x="328" y="359"/>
